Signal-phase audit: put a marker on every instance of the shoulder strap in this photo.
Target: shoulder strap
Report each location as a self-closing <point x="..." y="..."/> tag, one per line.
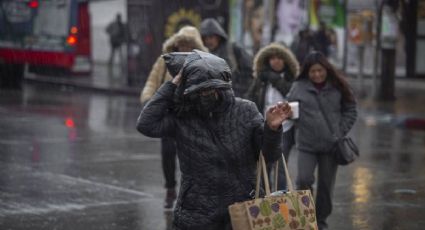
<point x="324" y="114"/>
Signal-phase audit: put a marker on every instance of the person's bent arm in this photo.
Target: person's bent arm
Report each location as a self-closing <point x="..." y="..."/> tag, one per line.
<point x="268" y="134"/>
<point x="155" y="119"/>
<point x="349" y="116"/>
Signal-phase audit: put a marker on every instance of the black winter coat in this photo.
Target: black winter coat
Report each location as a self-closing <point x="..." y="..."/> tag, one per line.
<point x="217" y="154"/>
<point x="241" y="64"/>
<point x="236" y="57"/>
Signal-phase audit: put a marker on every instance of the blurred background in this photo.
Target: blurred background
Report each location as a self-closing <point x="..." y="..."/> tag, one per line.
<point x="70" y="37"/>
<point x="70" y="157"/>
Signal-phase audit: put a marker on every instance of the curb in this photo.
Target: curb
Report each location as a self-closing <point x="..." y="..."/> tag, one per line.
<point x="130" y="91"/>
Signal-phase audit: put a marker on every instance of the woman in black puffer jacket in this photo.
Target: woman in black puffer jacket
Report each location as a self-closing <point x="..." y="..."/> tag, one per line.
<point x="218" y="136"/>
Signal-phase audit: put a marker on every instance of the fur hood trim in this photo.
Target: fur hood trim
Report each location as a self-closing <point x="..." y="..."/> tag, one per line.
<point x="187" y="34"/>
<point x="260" y="59"/>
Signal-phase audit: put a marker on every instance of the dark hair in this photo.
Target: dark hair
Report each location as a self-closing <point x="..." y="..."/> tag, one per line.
<point x="335" y="77"/>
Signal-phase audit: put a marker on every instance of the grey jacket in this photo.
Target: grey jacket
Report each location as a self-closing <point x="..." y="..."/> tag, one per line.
<point x="312" y="133"/>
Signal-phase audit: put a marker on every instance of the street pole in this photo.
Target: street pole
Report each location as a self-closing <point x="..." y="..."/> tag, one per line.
<point x="410" y="35"/>
<point x="376" y="57"/>
<point x="386" y="92"/>
<point x="361" y="51"/>
<point x="344" y="57"/>
<point x="388" y="43"/>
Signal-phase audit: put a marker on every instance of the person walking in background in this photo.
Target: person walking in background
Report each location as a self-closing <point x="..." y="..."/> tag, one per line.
<point x="275" y="68"/>
<point x="117" y="36"/>
<point x="219" y="138"/>
<point x="319" y="82"/>
<point x="322" y="40"/>
<point x="240" y="62"/>
<point x="185" y="40"/>
<point x="303" y="44"/>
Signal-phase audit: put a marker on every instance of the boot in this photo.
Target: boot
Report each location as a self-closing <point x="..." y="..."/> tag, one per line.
<point x="169" y="198"/>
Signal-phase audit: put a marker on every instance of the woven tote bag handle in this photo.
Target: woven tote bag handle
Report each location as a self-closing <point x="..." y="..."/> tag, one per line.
<point x="261" y="169"/>
<point x="288" y="177"/>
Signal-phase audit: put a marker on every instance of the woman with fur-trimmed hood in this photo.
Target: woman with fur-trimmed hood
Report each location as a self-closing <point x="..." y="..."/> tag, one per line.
<point x="185" y="40"/>
<point x="275" y="68"/>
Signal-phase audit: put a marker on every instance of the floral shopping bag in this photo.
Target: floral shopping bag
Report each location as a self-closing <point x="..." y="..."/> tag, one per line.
<point x="283" y="211"/>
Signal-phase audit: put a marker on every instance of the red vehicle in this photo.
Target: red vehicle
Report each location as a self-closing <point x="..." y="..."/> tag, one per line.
<point x="46" y="35"/>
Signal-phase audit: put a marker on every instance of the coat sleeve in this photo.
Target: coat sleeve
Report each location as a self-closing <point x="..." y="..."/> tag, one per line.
<point x="154" y="80"/>
<point x="243" y="58"/>
<point x="155" y="119"/>
<point x="266" y="139"/>
<point x="348" y="117"/>
<point x="254" y="91"/>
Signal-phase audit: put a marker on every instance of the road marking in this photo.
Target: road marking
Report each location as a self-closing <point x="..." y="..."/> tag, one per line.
<point x="13" y="207"/>
<point x="22" y="209"/>
<point x="112" y="187"/>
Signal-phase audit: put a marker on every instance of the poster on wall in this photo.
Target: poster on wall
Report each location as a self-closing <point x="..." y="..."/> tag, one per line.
<point x="291" y="17"/>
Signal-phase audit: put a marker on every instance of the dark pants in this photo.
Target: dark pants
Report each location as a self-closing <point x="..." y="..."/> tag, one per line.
<point x="223" y="224"/>
<point x="281" y="179"/>
<point x="168" y="152"/>
<point x="288" y="142"/>
<point x="327" y="168"/>
<point x="115" y="48"/>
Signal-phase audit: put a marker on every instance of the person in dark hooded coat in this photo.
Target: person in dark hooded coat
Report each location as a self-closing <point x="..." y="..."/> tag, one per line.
<point x="240" y="62"/>
<point x="218" y="137"/>
<point x="275" y="69"/>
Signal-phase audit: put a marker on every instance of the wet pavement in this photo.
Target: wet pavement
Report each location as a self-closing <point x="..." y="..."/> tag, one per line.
<point x="72" y="159"/>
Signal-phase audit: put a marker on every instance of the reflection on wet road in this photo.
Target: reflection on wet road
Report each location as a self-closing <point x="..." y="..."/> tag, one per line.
<point x="73" y="160"/>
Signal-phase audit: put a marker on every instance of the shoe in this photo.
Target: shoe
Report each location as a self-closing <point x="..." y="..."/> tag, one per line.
<point x="170" y="198"/>
<point x="322" y="226"/>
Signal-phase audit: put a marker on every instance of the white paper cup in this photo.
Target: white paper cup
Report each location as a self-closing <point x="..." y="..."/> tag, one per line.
<point x="295" y="109"/>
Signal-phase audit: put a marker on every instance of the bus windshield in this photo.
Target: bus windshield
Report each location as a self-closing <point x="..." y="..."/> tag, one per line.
<point x="34" y="24"/>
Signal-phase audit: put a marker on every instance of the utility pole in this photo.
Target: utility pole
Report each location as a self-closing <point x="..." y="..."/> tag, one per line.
<point x="344" y="58"/>
<point x="388" y="42"/>
<point x="410" y="31"/>
<point x="376" y="56"/>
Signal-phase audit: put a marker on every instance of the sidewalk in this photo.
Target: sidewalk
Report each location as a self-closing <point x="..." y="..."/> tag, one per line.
<point x="100" y="80"/>
<point x="409" y="93"/>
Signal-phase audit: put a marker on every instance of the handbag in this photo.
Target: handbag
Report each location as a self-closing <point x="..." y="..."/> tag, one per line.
<point x="345" y="150"/>
<point x="292" y="209"/>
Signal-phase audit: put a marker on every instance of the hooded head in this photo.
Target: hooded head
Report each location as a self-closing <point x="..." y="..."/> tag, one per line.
<point x="187" y="36"/>
<point x="213" y="35"/>
<point x="261" y="59"/>
<point x="210" y="26"/>
<point x="203" y="70"/>
<point x="205" y="80"/>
